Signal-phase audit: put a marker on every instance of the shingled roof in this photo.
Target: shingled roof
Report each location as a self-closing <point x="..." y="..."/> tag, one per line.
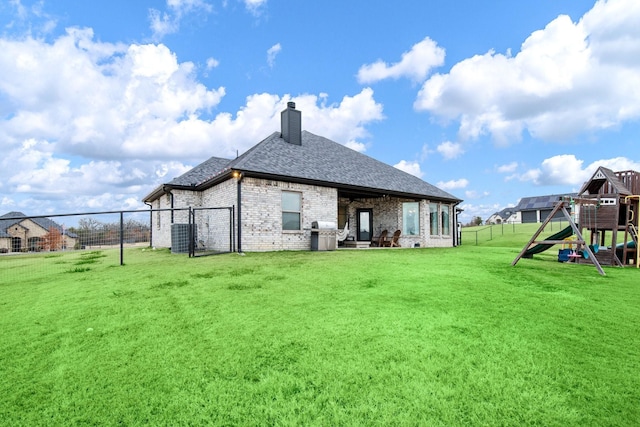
<point x="540" y="202"/>
<point x="317" y="160"/>
<point x="601" y="177"/>
<point x="12" y="218"/>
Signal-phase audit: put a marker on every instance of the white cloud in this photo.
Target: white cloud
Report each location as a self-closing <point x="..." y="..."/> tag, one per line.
<point x="453" y="184"/>
<point x="168" y="22"/>
<point x="508" y="168"/>
<point x="412" y="168"/>
<point x="255" y="6"/>
<point x="450" y="150"/>
<point x="212" y="63"/>
<point x="82" y="118"/>
<point x="567" y="78"/>
<point x="568" y="170"/>
<point x="473" y="194"/>
<point x="272" y="52"/>
<point x="415" y="64"/>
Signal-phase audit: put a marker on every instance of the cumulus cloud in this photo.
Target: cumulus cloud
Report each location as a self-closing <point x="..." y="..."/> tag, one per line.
<point x="81" y="119"/>
<point x="508" y="168"/>
<point x="414" y="64"/>
<point x="567" y="169"/>
<point x="272" y="52"/>
<point x="453" y="184"/>
<point x="473" y="194"/>
<point x="255" y="6"/>
<point x="567" y="78"/>
<point x="212" y="63"/>
<point x="168" y="22"/>
<point x="450" y="150"/>
<point x="412" y="168"/>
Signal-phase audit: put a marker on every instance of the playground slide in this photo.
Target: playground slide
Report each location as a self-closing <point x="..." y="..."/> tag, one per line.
<point x="620" y="249"/>
<point x="541" y="247"/>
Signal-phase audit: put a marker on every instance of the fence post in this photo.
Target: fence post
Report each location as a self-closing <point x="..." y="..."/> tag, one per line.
<point x="121" y="238"/>
<point x="191" y="233"/>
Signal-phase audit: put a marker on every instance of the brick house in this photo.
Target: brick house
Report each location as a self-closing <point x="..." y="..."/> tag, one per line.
<point x="292" y="178"/>
<point x="19" y="233"/>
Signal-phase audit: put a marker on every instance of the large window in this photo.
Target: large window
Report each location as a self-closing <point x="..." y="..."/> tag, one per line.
<point x="291" y="210"/>
<point x="411" y="218"/>
<point x="433" y="219"/>
<point x="444" y="210"/>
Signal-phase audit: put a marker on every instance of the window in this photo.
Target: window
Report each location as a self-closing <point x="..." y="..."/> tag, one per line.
<point x="411" y="218"/>
<point x="291" y="208"/>
<point x="433" y="218"/>
<point x="445" y="220"/>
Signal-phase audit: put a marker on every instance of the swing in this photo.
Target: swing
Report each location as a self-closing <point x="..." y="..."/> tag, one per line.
<point x="595" y="247"/>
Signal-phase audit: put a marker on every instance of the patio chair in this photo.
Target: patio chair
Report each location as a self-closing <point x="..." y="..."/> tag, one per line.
<point x="381" y="240"/>
<point x="394" y="239"/>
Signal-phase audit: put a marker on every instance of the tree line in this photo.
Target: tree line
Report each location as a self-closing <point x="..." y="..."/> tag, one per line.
<point x="91" y="232"/>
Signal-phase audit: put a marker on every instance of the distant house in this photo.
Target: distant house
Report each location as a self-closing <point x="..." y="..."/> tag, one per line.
<point x="19" y="233"/>
<point x="537" y="208"/>
<point x="293" y="178"/>
<point x="505" y="216"/>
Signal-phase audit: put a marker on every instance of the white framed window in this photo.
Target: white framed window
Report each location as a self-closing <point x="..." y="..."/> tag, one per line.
<point x="411" y="218"/>
<point x="291" y="210"/>
<point x="444" y="212"/>
<point x="433" y="219"/>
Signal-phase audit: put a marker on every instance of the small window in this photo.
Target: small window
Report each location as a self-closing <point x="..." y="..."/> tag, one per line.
<point x="445" y="220"/>
<point x="411" y="219"/>
<point x="433" y="219"/>
<point x="291" y="210"/>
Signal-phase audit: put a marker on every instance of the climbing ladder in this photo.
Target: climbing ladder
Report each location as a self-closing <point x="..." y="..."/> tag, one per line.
<point x="631" y="231"/>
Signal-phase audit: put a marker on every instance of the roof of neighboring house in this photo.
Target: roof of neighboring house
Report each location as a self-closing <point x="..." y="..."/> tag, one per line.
<point x="540" y="202"/>
<point x="505" y="213"/>
<point x="12" y="218"/>
<point x="317" y="160"/>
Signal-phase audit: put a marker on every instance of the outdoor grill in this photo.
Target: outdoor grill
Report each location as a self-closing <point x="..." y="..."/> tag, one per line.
<point x="323" y="236"/>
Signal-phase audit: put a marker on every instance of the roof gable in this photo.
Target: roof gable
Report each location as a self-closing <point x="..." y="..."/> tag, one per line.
<point x="601" y="177"/>
<point x="317" y="159"/>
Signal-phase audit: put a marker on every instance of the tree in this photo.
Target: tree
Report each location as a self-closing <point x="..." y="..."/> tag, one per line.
<point x="52" y="241"/>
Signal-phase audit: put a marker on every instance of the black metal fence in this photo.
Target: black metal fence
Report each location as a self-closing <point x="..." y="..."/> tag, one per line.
<point x="26" y="242"/>
<point x="480" y="234"/>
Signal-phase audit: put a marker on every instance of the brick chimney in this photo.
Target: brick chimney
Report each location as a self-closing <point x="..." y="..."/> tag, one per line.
<point x="291" y="124"/>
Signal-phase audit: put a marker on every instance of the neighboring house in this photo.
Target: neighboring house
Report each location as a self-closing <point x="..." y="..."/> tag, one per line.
<point x="293" y="178"/>
<point x="505" y="216"/>
<point x="19" y="233"/>
<point x="537" y="208"/>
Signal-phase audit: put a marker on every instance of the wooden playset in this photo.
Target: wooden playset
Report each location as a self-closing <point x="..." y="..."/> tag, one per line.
<point x="607" y="206"/>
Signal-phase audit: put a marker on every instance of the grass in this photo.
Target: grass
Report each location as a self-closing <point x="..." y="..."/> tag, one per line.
<point x="382" y="337"/>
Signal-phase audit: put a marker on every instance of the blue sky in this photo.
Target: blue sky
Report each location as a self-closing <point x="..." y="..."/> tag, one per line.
<point x="101" y="101"/>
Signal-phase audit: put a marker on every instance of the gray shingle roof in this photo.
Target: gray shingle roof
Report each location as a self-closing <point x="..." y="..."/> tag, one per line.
<point x="316" y="159"/>
<point x="12" y="218"/>
<point x="202" y="172"/>
<point x="540" y="202"/>
<point x="599" y="178"/>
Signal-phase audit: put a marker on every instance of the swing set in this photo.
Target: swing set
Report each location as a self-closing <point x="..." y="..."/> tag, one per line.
<point x="563" y="237"/>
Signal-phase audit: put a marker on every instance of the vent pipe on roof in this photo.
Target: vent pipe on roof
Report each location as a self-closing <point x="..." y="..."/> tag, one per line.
<point x="291" y="124"/>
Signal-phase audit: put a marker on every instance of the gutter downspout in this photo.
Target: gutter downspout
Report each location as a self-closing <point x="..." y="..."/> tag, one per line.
<point x="168" y="191"/>
<point x="150" y="223"/>
<point x="239" y="176"/>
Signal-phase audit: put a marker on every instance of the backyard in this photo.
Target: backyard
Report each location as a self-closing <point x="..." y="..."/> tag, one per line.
<point x="356" y="337"/>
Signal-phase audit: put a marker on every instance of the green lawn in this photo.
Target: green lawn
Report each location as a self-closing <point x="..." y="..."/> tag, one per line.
<point x="372" y="337"/>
